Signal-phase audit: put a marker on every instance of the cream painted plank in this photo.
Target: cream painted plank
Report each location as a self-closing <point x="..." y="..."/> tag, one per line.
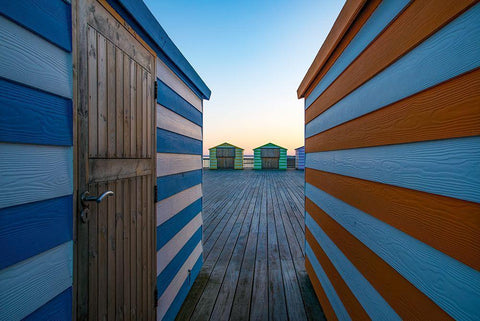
<point x="169" y="207"/>
<point x="28" y="285"/>
<point x="28" y="59"/>
<point x="165" y="301"/>
<point x="168" y="77"/>
<point x="169" y="120"/>
<point x="30" y="173"/>
<point x="168" y="164"/>
<point x="168" y="252"/>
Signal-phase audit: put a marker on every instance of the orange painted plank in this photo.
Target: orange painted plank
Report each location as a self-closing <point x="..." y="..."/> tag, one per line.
<point x="451" y="109"/>
<point x="401" y="295"/>
<point x="322" y="297"/>
<point x="353" y="307"/>
<point x="448" y="224"/>
<point x="348" y="14"/>
<point x="418" y="22"/>
<point x="357" y="24"/>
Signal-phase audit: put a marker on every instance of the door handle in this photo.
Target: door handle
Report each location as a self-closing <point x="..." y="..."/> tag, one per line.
<point x="85" y="197"/>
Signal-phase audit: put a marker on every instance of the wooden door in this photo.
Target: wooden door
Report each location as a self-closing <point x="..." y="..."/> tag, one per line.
<point x="116" y="241"/>
<point x="270" y="162"/>
<point x="225" y="162"/>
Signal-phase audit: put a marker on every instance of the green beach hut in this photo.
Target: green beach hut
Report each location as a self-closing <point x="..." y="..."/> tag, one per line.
<point x="226" y="156"/>
<point x="270" y="156"/>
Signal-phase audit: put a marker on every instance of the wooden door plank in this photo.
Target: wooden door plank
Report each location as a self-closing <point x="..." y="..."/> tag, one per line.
<point x="102" y="135"/>
<point x="111" y="101"/>
<point x="119" y="98"/>
<point x="133" y="248"/>
<point x="127" y="92"/>
<point x="127" y="280"/>
<point x="93" y="258"/>
<point x="111" y="250"/>
<point x="102" y="255"/>
<point x="133" y="108"/>
<point x="92" y="91"/>
<point x="119" y="246"/>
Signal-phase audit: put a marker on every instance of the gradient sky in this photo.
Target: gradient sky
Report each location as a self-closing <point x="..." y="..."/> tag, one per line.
<point x="253" y="55"/>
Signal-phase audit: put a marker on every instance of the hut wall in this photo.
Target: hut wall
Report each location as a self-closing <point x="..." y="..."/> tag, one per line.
<point x="238" y="158"/>
<point x="179" y="181"/>
<point x="257" y="158"/>
<point x="392" y="162"/>
<point x="36" y="160"/>
<point x="300" y="158"/>
<point x="213" y="158"/>
<point x="282" y="162"/>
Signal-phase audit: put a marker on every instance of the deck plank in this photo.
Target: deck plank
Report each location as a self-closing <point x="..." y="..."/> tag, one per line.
<point x="253" y="237"/>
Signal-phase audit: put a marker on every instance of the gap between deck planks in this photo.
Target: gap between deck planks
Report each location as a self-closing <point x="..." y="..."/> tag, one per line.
<point x="253" y="241"/>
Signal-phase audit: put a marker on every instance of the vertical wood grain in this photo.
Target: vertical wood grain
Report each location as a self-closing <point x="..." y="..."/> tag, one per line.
<point x="133" y="108"/>
<point x="92" y="92"/>
<point x="127" y="280"/>
<point x="120" y="102"/>
<point x="102" y="135"/>
<point x="111" y="101"/>
<point x="127" y="110"/>
<point x="119" y="246"/>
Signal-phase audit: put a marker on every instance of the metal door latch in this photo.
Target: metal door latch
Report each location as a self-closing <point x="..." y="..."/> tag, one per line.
<point x="85" y="198"/>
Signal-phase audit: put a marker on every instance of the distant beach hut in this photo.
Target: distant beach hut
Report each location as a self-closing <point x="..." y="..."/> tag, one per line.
<point x="270" y="156"/>
<point x="300" y="157"/>
<point x="226" y="156"/>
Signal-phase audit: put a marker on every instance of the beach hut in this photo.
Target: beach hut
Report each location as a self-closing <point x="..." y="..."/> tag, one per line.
<point x="226" y="156"/>
<point x="300" y="157"/>
<point x="270" y="156"/>
<point x="101" y="173"/>
<point x="392" y="191"/>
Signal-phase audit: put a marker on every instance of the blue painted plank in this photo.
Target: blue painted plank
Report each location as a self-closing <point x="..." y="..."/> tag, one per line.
<point x="171" y="227"/>
<point x="29" y="115"/>
<point x="144" y="23"/>
<point x="31" y="60"/>
<point x="59" y="308"/>
<point x="50" y="19"/>
<point x="168" y="98"/>
<point x="166" y="276"/>
<point x="31" y="173"/>
<point x="170" y="142"/>
<point x="380" y="18"/>
<point x="452" y="285"/>
<point x="327" y="286"/>
<point x="30" y="284"/>
<point x="182" y="294"/>
<point x="449" y="167"/>
<point x="173" y="184"/>
<point x="29" y="229"/>
<point x="451" y="51"/>
<point x="373" y="303"/>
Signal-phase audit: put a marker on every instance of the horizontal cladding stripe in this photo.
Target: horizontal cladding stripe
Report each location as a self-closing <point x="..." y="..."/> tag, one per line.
<point x="59" y="308"/>
<point x="170" y="228"/>
<point x="413" y="26"/>
<point x="181" y="285"/>
<point x="419" y="266"/>
<point x="169" y="120"/>
<point x="337" y="304"/>
<point x="50" y="19"/>
<point x="448" y="167"/>
<point x="33" y="173"/>
<point x="166" y="75"/>
<point x="193" y="245"/>
<point x="29" y="115"/>
<point x="169" y="164"/>
<point x="172" y="205"/>
<point x="29" y="229"/>
<point x="173" y="184"/>
<point x="319" y="291"/>
<point x="451" y="109"/>
<point x="450" y="52"/>
<point x="380" y="18"/>
<point x="166" y="254"/>
<point x="30" y="284"/>
<point x="363" y="297"/>
<point x="28" y="59"/>
<point x="170" y="142"/>
<point x="447" y="224"/>
<point x="170" y="99"/>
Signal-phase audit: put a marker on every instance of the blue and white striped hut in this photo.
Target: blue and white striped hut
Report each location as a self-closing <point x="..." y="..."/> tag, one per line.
<point x="300" y="157"/>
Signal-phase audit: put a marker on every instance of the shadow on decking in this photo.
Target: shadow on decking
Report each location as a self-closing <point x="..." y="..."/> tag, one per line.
<point x="253" y="238"/>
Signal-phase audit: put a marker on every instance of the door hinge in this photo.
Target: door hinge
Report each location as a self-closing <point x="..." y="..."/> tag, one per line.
<point x="155" y="193"/>
<point x="155" y="94"/>
<point x="155" y="296"/>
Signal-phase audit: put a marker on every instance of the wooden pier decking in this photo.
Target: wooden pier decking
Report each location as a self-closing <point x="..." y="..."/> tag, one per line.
<point x="253" y="238"/>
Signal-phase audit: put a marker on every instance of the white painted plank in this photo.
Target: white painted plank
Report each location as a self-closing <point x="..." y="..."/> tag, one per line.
<point x="327" y="286"/>
<point x="168" y="164"/>
<point x="30" y="173"/>
<point x="452" y="285"/>
<point x="168" y="252"/>
<point x="169" y="207"/>
<point x="28" y="59"/>
<point x="373" y="303"/>
<point x="169" y="120"/>
<point x="28" y="285"/>
<point x="165" y="301"/>
<point x="171" y="80"/>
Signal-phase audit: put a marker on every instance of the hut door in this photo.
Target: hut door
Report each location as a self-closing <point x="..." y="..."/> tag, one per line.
<point x="225" y="158"/>
<point x="116" y="169"/>
<point x="270" y="158"/>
